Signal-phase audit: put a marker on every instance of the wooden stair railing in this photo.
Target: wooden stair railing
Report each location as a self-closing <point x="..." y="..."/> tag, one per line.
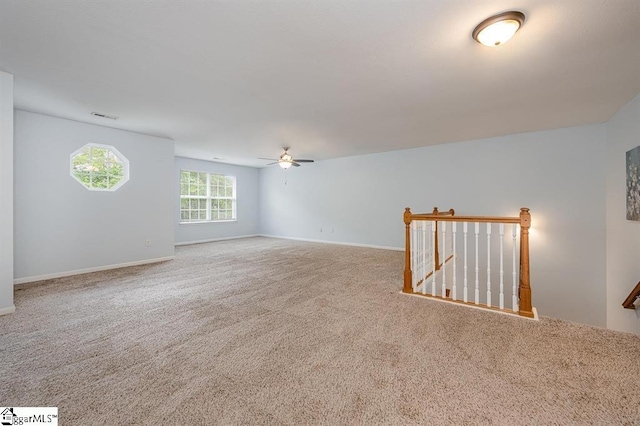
<point x="631" y="298"/>
<point x="523" y="297"/>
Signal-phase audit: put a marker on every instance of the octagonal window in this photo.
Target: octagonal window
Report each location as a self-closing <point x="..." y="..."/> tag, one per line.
<point x="99" y="167"/>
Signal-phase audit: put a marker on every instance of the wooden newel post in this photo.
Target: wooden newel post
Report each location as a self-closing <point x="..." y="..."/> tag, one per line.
<point x="525" y="285"/>
<point x="408" y="278"/>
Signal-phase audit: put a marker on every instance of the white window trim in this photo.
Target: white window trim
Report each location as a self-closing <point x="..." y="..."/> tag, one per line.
<point x="209" y="198"/>
<point x="125" y="163"/>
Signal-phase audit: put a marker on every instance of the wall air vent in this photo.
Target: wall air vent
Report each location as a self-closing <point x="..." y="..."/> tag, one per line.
<point x="101" y="115"/>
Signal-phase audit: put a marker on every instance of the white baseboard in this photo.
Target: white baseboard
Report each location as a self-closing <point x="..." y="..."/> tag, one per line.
<point x="334" y="242"/>
<point x="88" y="270"/>
<point x="6" y="311"/>
<point x="188" y="243"/>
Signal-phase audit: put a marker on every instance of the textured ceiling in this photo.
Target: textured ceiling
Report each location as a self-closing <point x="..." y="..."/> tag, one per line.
<point x="240" y="79"/>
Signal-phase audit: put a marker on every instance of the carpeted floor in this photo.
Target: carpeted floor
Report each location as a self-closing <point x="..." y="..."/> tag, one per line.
<point x="267" y="331"/>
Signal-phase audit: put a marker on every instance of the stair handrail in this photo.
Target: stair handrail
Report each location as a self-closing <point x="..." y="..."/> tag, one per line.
<point x="631" y="298"/>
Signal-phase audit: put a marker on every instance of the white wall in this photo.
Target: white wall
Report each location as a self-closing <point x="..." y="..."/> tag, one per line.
<point x="6" y="193"/>
<point x="623" y="236"/>
<point x="559" y="175"/>
<point x="247" y="203"/>
<point x="60" y="226"/>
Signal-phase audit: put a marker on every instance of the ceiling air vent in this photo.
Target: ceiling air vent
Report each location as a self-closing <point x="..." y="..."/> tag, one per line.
<point x="101" y="115"/>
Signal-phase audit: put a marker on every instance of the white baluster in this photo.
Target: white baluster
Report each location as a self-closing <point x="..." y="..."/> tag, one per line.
<point x="418" y="253"/>
<point x="502" y="266"/>
<point x="427" y="251"/>
<point x="464" y="294"/>
<point x="424" y="253"/>
<point x="455" y="255"/>
<point x="433" y="256"/>
<point x="444" y="259"/>
<point x="489" y="264"/>
<point x="414" y="256"/>
<point x="421" y="252"/>
<point x="514" y="297"/>
<point x="477" y="266"/>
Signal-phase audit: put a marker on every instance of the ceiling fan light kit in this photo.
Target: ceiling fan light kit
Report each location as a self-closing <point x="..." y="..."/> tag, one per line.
<point x="498" y="29"/>
<point x="286" y="160"/>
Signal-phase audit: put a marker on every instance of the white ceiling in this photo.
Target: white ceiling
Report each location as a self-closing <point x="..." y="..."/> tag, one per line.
<point x="240" y="79"/>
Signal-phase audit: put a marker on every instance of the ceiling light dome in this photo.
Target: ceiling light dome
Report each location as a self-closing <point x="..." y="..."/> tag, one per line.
<point x="286" y="160"/>
<point x="498" y="29"/>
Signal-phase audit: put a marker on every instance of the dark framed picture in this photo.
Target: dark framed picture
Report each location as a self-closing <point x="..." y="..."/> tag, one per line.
<point x="633" y="184"/>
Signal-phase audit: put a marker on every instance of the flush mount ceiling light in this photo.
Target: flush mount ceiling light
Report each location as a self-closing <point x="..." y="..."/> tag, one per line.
<point x="498" y="29"/>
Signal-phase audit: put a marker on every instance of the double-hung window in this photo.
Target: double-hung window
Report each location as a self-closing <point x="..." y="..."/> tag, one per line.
<point x="207" y="197"/>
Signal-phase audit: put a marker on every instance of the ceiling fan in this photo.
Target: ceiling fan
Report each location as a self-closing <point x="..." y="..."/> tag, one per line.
<point x="286" y="160"/>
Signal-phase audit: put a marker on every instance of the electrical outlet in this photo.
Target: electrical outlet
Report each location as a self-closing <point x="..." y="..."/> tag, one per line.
<point x="147" y="243"/>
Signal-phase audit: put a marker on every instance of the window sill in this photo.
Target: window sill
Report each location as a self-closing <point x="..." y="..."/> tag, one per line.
<point x="208" y="221"/>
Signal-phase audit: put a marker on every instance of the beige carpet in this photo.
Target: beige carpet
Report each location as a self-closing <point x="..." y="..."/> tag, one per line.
<point x="266" y="331"/>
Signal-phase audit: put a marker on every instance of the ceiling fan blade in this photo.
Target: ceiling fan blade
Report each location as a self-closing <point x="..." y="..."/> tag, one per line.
<point x="294" y="164"/>
<point x="303" y="161"/>
<point x="273" y="163"/>
<point x="271" y="159"/>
